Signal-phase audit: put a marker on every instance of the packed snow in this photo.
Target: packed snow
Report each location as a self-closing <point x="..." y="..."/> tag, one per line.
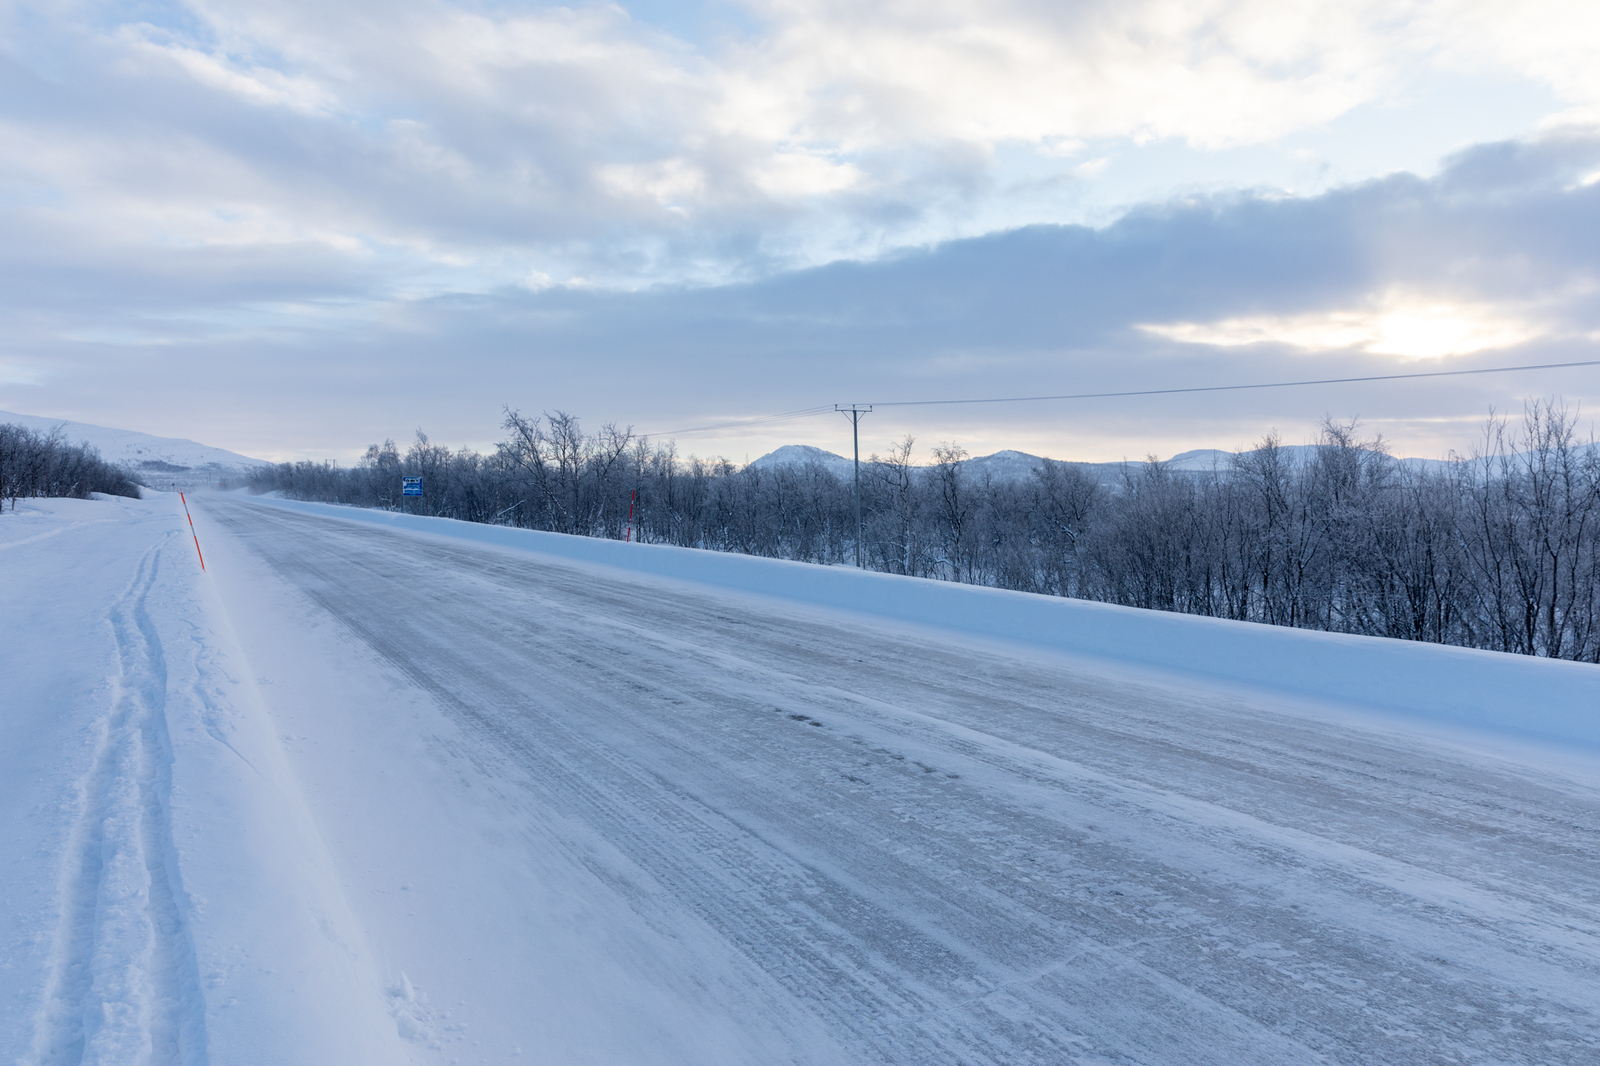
<point x="374" y="788"/>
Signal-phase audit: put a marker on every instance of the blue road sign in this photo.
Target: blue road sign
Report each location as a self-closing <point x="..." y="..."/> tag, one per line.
<point x="411" y="486"/>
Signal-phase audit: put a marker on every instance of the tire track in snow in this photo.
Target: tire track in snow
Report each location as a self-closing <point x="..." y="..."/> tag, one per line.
<point x="124" y="985"/>
<point x="888" y="980"/>
<point x="1116" y="873"/>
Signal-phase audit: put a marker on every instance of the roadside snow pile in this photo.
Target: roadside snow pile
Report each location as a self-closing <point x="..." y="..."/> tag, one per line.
<point x="166" y="897"/>
<point x="1516" y="695"/>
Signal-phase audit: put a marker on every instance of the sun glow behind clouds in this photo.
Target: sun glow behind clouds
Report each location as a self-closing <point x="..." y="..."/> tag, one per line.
<point x="1408" y="327"/>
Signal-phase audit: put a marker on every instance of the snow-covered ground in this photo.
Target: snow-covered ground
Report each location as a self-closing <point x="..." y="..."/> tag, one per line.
<point x="160" y="461"/>
<point x="385" y="789"/>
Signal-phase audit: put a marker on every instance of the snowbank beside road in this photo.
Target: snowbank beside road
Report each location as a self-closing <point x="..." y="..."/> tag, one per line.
<point x="167" y="898"/>
<point x="1516" y="695"/>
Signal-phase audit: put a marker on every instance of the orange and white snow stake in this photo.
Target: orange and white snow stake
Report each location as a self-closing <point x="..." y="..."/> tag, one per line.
<point x="192" y="533"/>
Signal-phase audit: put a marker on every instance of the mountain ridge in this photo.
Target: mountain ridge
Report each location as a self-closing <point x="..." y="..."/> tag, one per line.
<point x="1011" y="465"/>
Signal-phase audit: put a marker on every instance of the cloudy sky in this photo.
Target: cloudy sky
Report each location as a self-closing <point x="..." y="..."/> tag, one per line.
<point x="292" y="228"/>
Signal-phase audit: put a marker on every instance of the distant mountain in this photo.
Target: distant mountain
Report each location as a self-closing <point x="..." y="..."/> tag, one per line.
<point x="1013" y="465"/>
<point x="1001" y="466"/>
<point x="1006" y="465"/>
<point x="801" y="454"/>
<point x="157" y="458"/>
<point x="1200" y="460"/>
<point x="1203" y="459"/>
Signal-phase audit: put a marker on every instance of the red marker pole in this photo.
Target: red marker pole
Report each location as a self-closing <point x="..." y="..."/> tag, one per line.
<point x="635" y="496"/>
<point x="192" y="533"/>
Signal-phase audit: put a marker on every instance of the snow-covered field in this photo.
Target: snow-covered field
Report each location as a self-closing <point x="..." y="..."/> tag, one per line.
<point x="375" y="789"/>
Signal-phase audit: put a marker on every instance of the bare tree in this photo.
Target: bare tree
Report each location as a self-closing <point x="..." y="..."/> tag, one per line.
<point x="1500" y="552"/>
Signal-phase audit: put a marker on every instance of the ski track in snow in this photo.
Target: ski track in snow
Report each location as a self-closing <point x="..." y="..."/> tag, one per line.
<point x="124" y="988"/>
<point x="949" y="854"/>
<point x="56" y="532"/>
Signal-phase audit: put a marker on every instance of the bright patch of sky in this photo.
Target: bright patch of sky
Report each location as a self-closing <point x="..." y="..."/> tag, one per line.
<point x="1402" y="324"/>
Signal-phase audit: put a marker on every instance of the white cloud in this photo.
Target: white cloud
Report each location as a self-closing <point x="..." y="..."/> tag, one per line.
<point x="1408" y="326"/>
<point x="579" y="139"/>
<point x="668" y="182"/>
<point x="798" y="175"/>
<point x="1550" y="41"/>
<point x="255" y="84"/>
<point x="1212" y="72"/>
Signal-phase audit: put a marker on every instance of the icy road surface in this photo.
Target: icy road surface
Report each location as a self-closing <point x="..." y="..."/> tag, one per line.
<point x="801" y="835"/>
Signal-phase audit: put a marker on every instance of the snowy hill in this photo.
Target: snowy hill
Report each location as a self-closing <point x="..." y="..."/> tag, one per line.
<point x="1011" y="465"/>
<point x="801" y="454"/>
<point x="1005" y="465"/>
<point x="1200" y="460"/>
<point x="1001" y="466"/>
<point x="1204" y="459"/>
<point x="172" y="457"/>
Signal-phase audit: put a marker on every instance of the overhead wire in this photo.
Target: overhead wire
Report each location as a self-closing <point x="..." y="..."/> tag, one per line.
<point x="1235" y="388"/>
<point x="828" y="409"/>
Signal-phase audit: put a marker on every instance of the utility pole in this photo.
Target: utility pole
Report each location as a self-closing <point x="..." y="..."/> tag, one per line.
<point x="854" y="413"/>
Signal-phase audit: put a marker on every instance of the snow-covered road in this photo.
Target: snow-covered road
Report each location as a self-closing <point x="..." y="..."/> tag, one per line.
<point x="377" y="790"/>
<point x="586" y="815"/>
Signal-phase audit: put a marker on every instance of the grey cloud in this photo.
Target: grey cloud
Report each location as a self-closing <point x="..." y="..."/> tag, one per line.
<point x="1061" y="286"/>
<point x="1043" y="309"/>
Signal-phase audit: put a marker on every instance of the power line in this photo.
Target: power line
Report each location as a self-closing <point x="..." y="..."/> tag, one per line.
<point x="810" y="411"/>
<point x="1234" y="388"/>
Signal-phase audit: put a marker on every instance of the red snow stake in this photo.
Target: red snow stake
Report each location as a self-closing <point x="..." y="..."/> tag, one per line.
<point x="192" y="533"/>
<point x="635" y="496"/>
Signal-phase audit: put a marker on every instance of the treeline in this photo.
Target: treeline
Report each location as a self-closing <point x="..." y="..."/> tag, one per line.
<point x="36" y="464"/>
<point x="1500" y="551"/>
